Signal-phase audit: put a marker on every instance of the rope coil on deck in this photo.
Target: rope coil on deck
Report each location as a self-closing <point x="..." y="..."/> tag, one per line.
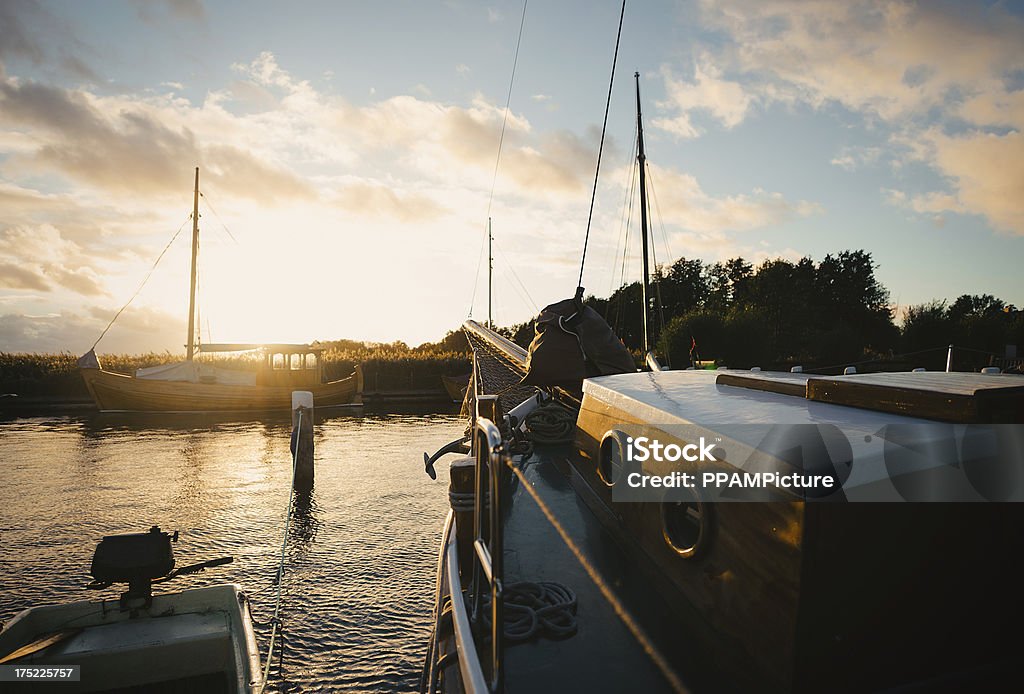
<point x="550" y="424"/>
<point x="544" y="608"/>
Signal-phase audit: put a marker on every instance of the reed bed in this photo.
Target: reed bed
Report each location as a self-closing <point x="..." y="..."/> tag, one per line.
<point x="386" y="367"/>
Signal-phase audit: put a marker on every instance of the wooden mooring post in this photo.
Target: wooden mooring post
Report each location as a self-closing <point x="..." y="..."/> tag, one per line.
<point x="302" y="439"/>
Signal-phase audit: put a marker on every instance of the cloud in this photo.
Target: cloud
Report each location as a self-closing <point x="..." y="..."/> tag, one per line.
<point x="853" y="158"/>
<point x="16" y="40"/>
<point x="986" y="175"/>
<point x="13" y="276"/>
<point x="683" y="203"/>
<point x="943" y="76"/>
<point x="726" y="101"/>
<point x="25" y="24"/>
<point x="40" y="259"/>
<point x="890" y="59"/>
<point x="192" y="10"/>
<point x="131" y="145"/>
<point x="462" y="69"/>
<point x="375" y="200"/>
<point x="140" y="330"/>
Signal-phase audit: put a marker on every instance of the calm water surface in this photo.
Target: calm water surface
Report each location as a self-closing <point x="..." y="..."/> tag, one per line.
<point x="362" y="548"/>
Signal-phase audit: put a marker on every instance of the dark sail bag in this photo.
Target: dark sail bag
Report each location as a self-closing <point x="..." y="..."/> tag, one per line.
<point x="572" y="342"/>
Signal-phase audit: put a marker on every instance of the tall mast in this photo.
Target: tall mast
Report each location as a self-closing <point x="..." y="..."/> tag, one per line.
<point x="490" y="273"/>
<point x="192" y="280"/>
<point x="642" y="159"/>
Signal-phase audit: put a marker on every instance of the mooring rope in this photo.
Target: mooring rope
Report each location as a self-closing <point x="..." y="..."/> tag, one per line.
<point x="627" y="619"/>
<point x="600" y="148"/>
<point x="275" y="621"/>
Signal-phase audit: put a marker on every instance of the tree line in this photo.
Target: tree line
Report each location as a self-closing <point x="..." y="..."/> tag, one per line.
<point x="817" y="314"/>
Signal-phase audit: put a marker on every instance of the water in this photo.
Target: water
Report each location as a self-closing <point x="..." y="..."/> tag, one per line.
<point x="362" y="549"/>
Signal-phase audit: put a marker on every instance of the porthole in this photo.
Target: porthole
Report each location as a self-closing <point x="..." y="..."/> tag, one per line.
<point x="609" y="460"/>
<point x="685" y="524"/>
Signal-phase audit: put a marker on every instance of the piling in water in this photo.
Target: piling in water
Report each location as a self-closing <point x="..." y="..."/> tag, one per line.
<point x="302" y="440"/>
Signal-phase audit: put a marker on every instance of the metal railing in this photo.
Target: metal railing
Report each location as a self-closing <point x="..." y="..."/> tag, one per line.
<point x="491" y="461"/>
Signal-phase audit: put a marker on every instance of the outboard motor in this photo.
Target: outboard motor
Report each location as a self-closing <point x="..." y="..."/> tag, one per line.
<point x="140" y="560"/>
<point x="135" y="559"/>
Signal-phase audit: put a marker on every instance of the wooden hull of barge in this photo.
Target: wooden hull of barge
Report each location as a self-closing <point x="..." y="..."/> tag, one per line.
<point x="803" y="597"/>
<point x="119" y="393"/>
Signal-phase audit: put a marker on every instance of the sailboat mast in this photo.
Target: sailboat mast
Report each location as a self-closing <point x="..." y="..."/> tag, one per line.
<point x="642" y="159"/>
<point x="192" y="280"/>
<point x="490" y="273"/>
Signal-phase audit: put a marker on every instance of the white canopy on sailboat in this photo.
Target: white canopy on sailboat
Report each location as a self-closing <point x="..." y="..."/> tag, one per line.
<point x="196" y="372"/>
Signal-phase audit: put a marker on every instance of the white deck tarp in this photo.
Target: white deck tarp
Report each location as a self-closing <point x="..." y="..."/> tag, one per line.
<point x="196" y="372"/>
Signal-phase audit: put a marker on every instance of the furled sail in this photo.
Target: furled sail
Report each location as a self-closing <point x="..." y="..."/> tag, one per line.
<point x="573" y="342"/>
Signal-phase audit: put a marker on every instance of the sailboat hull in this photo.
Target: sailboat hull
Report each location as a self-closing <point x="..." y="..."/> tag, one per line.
<point x="115" y="392"/>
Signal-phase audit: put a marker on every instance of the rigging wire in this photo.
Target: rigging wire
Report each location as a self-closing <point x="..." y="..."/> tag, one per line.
<point x="627" y="210"/>
<point x="501" y="140"/>
<point x="625" y="247"/>
<point x="657" y="275"/>
<point x="514" y="274"/>
<point x="144" y="280"/>
<point x="657" y="206"/>
<point x="600" y="148"/>
<point x="207" y="201"/>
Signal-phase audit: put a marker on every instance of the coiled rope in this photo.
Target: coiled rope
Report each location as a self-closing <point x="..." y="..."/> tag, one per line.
<point x="550" y="424"/>
<point x="630" y="623"/>
<point x="537" y="609"/>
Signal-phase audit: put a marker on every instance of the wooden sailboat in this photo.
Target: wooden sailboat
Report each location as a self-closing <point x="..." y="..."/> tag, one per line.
<point x="195" y="386"/>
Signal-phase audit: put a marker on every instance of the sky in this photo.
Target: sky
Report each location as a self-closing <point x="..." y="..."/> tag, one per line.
<point x="349" y="157"/>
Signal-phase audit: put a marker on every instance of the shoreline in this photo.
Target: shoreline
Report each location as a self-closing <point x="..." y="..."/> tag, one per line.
<point x="47" y="404"/>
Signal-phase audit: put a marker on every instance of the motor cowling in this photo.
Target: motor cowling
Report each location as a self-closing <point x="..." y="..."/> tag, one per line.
<point x="133" y="558"/>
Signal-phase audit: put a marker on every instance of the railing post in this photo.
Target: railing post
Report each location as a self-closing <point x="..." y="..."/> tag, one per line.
<point x="488" y="549"/>
<point x="496" y="464"/>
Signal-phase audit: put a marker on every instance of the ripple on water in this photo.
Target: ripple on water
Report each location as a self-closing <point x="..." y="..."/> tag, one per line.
<point x="359" y="576"/>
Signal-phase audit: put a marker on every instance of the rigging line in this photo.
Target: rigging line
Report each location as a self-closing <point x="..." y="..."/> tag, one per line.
<point x="661" y="220"/>
<point x="629" y="224"/>
<point x="657" y="276"/>
<point x="625" y="249"/>
<point x="511" y="269"/>
<point x="627" y="619"/>
<point x="516" y="289"/>
<point x="207" y="201"/>
<point x="476" y="277"/>
<point x="600" y="148"/>
<point x="145" y="279"/>
<point x="624" y="220"/>
<point x="501" y="140"/>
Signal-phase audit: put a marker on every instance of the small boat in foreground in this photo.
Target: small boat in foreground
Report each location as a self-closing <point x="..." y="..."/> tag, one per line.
<point x="199" y="640"/>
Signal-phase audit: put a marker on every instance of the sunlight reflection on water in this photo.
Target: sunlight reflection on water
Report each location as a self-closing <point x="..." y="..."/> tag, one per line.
<point x="362" y="547"/>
